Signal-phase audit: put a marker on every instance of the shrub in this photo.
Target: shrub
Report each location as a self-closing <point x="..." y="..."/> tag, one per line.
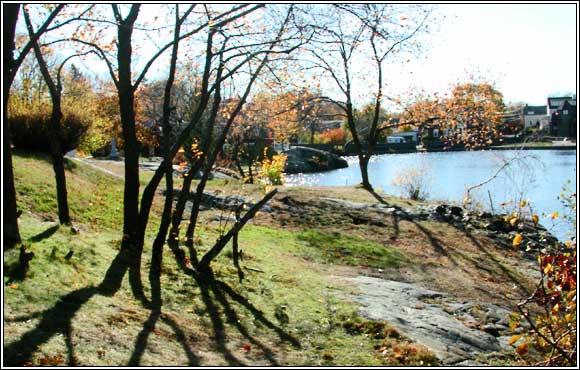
<point x="332" y="136"/>
<point x="550" y="310"/>
<point x="272" y="170"/>
<point x="413" y="182"/>
<point x="31" y="130"/>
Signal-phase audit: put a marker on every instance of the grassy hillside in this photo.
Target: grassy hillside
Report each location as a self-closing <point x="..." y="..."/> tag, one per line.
<point x="292" y="308"/>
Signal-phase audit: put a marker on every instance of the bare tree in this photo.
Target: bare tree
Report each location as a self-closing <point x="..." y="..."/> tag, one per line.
<point x="11" y="64"/>
<point x="236" y="55"/>
<point x="371" y="34"/>
<point x="55" y="129"/>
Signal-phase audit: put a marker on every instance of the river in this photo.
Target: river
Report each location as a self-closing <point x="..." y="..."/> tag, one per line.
<point x="538" y="176"/>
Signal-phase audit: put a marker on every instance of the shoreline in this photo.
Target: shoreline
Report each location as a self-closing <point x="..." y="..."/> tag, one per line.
<point x="492" y="148"/>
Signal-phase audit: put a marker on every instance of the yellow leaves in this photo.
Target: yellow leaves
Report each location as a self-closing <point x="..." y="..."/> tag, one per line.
<point x="196" y="153"/>
<point x="556" y="309"/>
<point x="548" y="269"/>
<point x="535" y="219"/>
<point x="181" y="150"/>
<point x="513" y="221"/>
<point x="517" y="240"/>
<point x="523" y="203"/>
<point x="554" y="215"/>
<point x="514" y="339"/>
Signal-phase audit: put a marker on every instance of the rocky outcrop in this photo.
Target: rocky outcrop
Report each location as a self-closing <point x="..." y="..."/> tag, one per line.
<point x="302" y="160"/>
<point x="456" y="332"/>
<point x="495" y="227"/>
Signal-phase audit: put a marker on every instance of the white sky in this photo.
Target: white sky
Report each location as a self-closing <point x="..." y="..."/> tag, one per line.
<point x="528" y="50"/>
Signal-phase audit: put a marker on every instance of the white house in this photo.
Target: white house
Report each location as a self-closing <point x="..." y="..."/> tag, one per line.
<point x="536" y="116"/>
<point x="409" y="136"/>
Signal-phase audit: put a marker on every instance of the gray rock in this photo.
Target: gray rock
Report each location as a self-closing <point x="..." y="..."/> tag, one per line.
<point x="224" y="218"/>
<point x="302" y="159"/>
<point x="432" y="325"/>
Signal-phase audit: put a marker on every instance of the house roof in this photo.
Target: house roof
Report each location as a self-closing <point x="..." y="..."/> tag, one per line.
<point x="568" y="103"/>
<point x="556" y="102"/>
<point x="535" y="110"/>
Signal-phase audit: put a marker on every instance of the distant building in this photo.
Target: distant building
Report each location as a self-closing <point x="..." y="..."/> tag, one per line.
<point x="555" y="103"/>
<point x="536" y="116"/>
<point x="330" y="124"/>
<point x="563" y="117"/>
<point x="408" y="136"/>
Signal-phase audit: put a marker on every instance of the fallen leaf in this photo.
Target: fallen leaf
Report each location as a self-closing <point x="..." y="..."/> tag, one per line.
<point x="522" y="349"/>
<point x="513" y="339"/>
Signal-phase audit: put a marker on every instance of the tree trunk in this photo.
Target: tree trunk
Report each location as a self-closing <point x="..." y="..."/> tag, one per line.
<point x="54" y="132"/>
<point x="250" y="173"/>
<point x="223" y="241"/>
<point x="10" y="231"/>
<point x="157" y="252"/>
<point x="60" y="177"/>
<point x="364" y="172"/>
<point x="133" y="237"/>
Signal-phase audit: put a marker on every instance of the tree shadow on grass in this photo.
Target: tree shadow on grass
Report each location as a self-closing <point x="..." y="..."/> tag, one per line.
<point x="215" y="295"/>
<point x="493" y="258"/>
<point x="401" y="214"/>
<point x="57" y="320"/>
<point x="45" y="234"/>
<point x="214" y="291"/>
<point x="218" y="296"/>
<point x="438" y="245"/>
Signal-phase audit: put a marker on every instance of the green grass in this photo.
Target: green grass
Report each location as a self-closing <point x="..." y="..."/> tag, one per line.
<point x="337" y="248"/>
<point x="95" y="199"/>
<point x="50" y="274"/>
<point x="288" y="288"/>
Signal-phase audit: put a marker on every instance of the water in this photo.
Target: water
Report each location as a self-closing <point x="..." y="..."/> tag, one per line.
<point x="536" y="176"/>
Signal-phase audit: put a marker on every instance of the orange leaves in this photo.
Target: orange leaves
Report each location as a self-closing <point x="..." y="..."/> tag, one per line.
<point x="332" y="136"/>
<point x="469" y="114"/>
<point x="522" y="349"/>
<point x="514" y="339"/>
